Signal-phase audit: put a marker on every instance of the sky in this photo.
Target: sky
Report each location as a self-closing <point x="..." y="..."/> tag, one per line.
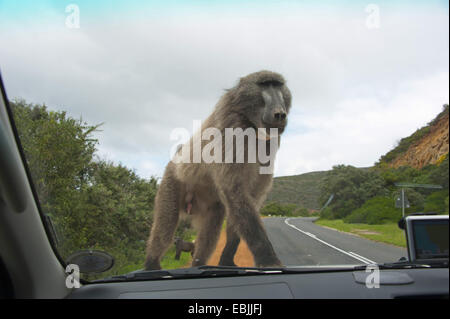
<point x="363" y="74"/>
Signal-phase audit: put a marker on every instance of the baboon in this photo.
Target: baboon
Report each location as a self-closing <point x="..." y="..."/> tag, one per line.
<point x="207" y="192"/>
<point x="181" y="245"/>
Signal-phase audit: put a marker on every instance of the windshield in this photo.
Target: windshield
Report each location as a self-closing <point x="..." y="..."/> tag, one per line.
<point x="253" y="134"/>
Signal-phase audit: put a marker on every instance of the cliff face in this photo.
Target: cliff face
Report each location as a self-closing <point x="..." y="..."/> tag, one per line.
<point x="430" y="149"/>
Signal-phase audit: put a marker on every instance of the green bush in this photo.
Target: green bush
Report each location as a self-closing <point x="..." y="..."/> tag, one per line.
<point x="302" y="211"/>
<point x="375" y="211"/>
<point x="396" y="175"/>
<point x="436" y="202"/>
<point x="326" y="213"/>
<point x="288" y="210"/>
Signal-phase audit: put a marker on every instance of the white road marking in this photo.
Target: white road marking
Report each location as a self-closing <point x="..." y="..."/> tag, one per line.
<point x="359" y="256"/>
<point x="309" y="234"/>
<point x="350" y="254"/>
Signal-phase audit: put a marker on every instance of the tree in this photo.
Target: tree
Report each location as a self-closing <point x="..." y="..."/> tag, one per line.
<point x="93" y="204"/>
<point x="59" y="151"/>
<point x="351" y="187"/>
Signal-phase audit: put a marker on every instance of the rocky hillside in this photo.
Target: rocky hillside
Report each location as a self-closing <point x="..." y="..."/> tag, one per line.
<point x="428" y="145"/>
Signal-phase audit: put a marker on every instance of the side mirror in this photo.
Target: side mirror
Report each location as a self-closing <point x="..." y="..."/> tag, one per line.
<point x="91" y="261"/>
<point x="401" y="223"/>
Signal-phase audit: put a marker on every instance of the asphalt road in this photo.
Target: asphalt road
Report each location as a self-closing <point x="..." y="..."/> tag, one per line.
<point x="300" y="242"/>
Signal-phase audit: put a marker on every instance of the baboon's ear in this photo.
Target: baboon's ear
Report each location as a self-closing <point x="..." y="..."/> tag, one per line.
<point x="241" y="80"/>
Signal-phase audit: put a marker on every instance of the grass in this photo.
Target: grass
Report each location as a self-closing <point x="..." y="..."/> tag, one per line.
<point x="386" y="233"/>
<point x="169" y="261"/>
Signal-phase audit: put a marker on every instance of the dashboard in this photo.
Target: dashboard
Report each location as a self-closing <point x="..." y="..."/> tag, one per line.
<point x="402" y="283"/>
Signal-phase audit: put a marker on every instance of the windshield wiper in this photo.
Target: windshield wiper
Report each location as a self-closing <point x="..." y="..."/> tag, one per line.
<point x="214" y="271"/>
<point x="197" y="272"/>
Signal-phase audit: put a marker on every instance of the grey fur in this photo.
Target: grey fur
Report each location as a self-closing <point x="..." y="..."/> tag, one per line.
<point x="216" y="190"/>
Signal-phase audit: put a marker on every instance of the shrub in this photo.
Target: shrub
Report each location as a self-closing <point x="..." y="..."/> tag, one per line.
<point x="377" y="210"/>
<point x="288" y="210"/>
<point x="326" y="213"/>
<point x="302" y="211"/>
<point x="436" y="202"/>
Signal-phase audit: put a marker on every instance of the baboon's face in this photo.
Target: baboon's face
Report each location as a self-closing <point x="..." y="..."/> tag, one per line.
<point x="268" y="103"/>
<point x="273" y="113"/>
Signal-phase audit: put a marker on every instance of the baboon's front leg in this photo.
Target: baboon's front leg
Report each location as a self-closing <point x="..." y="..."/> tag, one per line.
<point x="233" y="240"/>
<point x="177" y="253"/>
<point x="208" y="234"/>
<point x="244" y="218"/>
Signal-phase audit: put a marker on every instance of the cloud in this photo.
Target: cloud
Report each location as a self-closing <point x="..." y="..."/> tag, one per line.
<point x="359" y="130"/>
<point x="355" y="91"/>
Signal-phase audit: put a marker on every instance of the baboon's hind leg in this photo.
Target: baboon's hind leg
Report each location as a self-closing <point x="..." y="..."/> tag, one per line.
<point x="208" y="235"/>
<point x="233" y="240"/>
<point x="165" y="221"/>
